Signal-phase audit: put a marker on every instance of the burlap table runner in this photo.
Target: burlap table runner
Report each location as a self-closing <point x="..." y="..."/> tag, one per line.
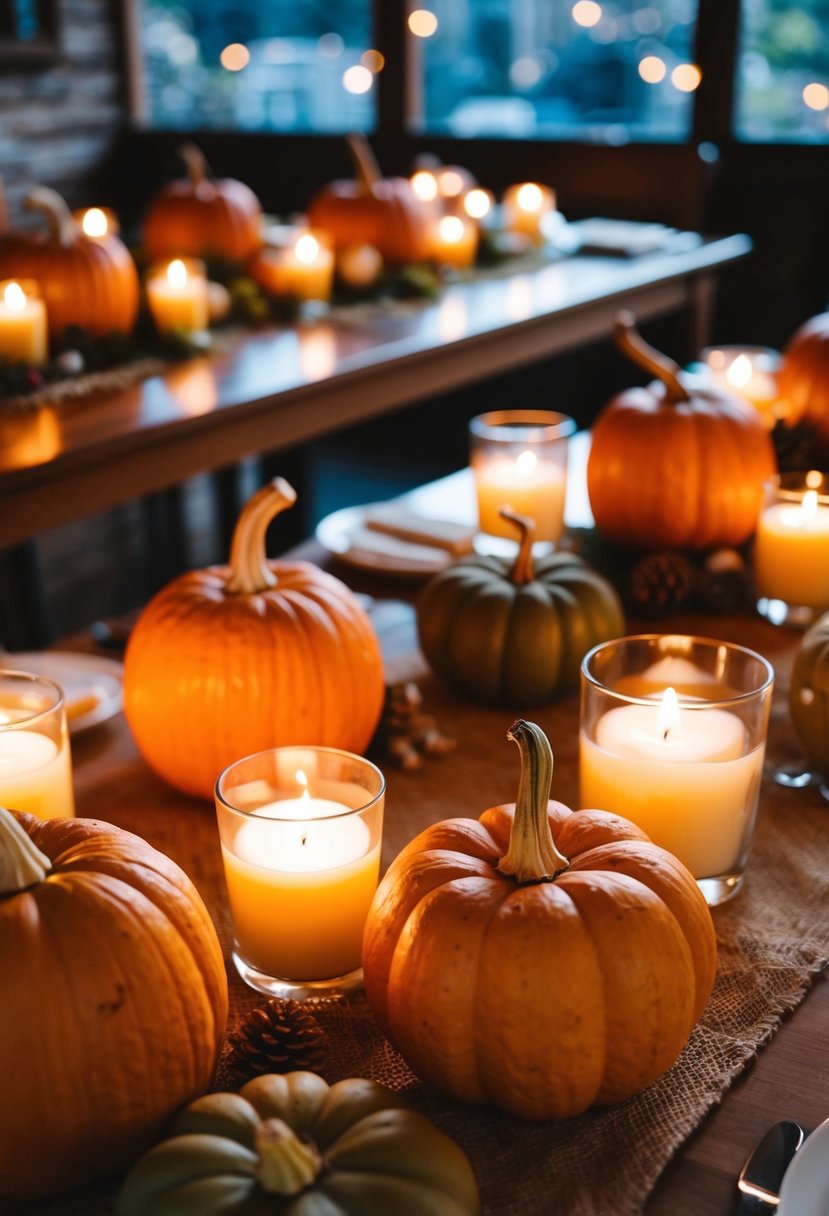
<point x="773" y="938"/>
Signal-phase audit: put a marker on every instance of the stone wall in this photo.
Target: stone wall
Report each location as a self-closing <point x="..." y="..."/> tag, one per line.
<point x="59" y="121"/>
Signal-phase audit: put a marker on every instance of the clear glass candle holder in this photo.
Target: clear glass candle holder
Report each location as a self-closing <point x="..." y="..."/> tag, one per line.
<point x="35" y="758"/>
<point x="672" y="737"/>
<point x="300" y="830"/>
<point x="749" y="372"/>
<point x="791" y="549"/>
<point x="519" y="460"/>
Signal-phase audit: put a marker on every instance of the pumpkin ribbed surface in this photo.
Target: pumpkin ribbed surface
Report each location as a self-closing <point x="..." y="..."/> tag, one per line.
<point x="673" y="465"/>
<point x="112" y="1008"/>
<point x="210" y="677"/>
<point x="290" y="1144"/>
<point x="199" y="216"/>
<point x="803" y="378"/>
<point x="541" y="988"/>
<point x="87" y="282"/>
<point x="515" y="633"/>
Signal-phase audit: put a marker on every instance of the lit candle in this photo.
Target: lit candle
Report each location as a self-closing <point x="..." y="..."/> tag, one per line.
<point x="35" y="771"/>
<point x="178" y="298"/>
<point x="301" y="874"/>
<point x="425" y="185"/>
<point x="455" y="241"/>
<point x="680" y="771"/>
<point x="302" y="271"/>
<point x="748" y="373"/>
<point x="791" y="552"/>
<point x="477" y="204"/>
<point x="98" y="222"/>
<point x="529" y="485"/>
<point x="23" y="332"/>
<point x="524" y="208"/>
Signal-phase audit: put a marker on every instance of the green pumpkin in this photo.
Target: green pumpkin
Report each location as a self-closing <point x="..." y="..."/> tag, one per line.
<point x="809" y="694"/>
<point x="294" y="1146"/>
<point x="515" y="633"/>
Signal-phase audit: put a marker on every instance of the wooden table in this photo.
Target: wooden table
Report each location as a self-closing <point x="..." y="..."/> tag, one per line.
<point x="283" y="387"/>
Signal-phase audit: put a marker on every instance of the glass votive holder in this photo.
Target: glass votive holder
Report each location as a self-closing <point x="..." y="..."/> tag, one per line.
<point x="519" y="460"/>
<point x="749" y="372"/>
<point x="791" y="549"/>
<point x="177" y="296"/>
<point x="300" y="830"/>
<point x="672" y="737"/>
<point x="35" y="758"/>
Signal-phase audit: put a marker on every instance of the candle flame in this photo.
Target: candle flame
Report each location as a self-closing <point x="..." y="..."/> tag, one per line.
<point x="667" y="719"/>
<point x="526" y="462"/>
<point x="307" y="249"/>
<point x="425" y="185"/>
<point x="808" y="508"/>
<point x="4" y="718"/>
<point x="94" y="222"/>
<point x="14" y="297"/>
<point x="529" y="197"/>
<point x="450" y="229"/>
<point x="814" y="479"/>
<point x="739" y="374"/>
<point x="477" y="203"/>
<point x="177" y="274"/>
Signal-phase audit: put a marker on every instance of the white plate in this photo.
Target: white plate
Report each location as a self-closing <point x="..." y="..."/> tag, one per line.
<point x="80" y="676"/>
<point x="336" y="530"/>
<point x="805" y="1189"/>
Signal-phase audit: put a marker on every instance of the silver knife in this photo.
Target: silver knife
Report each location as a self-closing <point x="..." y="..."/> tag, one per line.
<point x="762" y="1174"/>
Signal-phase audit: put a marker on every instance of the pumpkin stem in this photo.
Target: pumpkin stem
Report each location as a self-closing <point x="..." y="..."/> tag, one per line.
<point x="22" y="864"/>
<point x="287" y="1164"/>
<point x="249" y="569"/>
<point x="532" y="855"/>
<point x="522" y="571"/>
<point x="632" y="344"/>
<point x="366" y="169"/>
<point x="63" y="227"/>
<point x="195" y="164"/>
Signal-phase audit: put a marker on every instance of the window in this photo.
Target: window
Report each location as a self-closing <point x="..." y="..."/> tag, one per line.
<point x="259" y="64"/>
<point x="606" y="72"/>
<point x="783" y="72"/>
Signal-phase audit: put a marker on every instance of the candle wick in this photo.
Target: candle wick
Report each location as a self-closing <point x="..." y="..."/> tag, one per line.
<point x="665" y="733"/>
<point x="304" y="838"/>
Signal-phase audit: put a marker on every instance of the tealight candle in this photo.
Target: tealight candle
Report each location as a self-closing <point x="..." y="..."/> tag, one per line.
<point x="524" y="207"/>
<point x="98" y="222"/>
<point x="455" y="241"/>
<point x="791" y="551"/>
<point x="749" y="373"/>
<point x="303" y="270"/>
<point x="478" y="204"/>
<point x="177" y="296"/>
<point x="23" y="331"/>
<point x="301" y="871"/>
<point x="687" y="767"/>
<point x="35" y="760"/>
<point x="519" y="460"/>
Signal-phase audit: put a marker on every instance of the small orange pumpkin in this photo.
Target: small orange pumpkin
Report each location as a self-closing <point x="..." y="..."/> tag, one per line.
<point x="675" y="466"/>
<point x="86" y="281"/>
<point x="538" y="958"/>
<point x="235" y="659"/>
<point x="373" y="210"/>
<point x="113" y="1002"/>
<point x="201" y="216"/>
<point x="803" y="378"/>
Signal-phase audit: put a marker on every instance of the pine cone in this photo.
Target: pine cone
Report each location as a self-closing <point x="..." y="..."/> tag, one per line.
<point x="725" y="585"/>
<point x="406" y="734"/>
<point x="279" y="1037"/>
<point x="660" y="582"/>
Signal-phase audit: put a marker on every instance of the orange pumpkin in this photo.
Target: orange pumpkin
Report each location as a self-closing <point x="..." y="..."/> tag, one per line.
<point x="538" y="958"/>
<point x="113" y="1002"/>
<point x="373" y="210"/>
<point x="803" y="379"/>
<point x="201" y="216"/>
<point x="86" y="281"/>
<point x="232" y="660"/>
<point x="674" y="465"/>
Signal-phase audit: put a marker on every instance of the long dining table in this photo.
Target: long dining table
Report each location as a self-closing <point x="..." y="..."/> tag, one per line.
<point x="779" y="1069"/>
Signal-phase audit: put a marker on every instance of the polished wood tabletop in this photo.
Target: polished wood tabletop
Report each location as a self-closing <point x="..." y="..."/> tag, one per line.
<point x="278" y="387"/>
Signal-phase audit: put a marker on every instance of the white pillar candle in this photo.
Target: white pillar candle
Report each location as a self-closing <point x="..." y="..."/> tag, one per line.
<point x="177" y="297"/>
<point x="529" y="484"/>
<point x="791" y="554"/>
<point x="23" y="332"/>
<point x="680" y="771"/>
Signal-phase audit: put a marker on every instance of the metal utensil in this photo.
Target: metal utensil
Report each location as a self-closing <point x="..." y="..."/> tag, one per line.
<point x="760" y="1178"/>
